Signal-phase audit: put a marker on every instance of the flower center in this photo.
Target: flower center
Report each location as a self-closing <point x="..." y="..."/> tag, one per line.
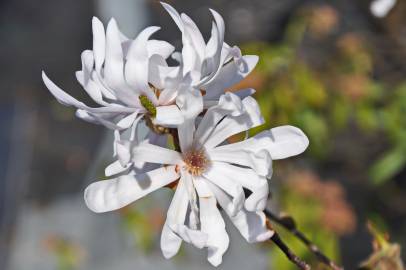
<point x="196" y="161"/>
<point x="148" y="105"/>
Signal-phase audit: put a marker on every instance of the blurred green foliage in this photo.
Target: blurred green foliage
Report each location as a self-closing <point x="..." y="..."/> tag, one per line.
<point x="68" y="255"/>
<point x="328" y="92"/>
<point x="144" y="222"/>
<point x="337" y="94"/>
<point x="308" y="213"/>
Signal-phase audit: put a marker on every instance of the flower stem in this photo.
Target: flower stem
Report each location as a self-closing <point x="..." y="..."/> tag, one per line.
<point x="291" y="256"/>
<point x="289" y="225"/>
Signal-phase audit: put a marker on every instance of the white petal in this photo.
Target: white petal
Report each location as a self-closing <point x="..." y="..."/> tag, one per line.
<point x="160" y="47"/>
<point x="229" y="75"/>
<point x="95" y="118"/>
<point x="114" y="65"/>
<point x="190" y="103"/>
<point x="168" y="96"/>
<point x="194" y="237"/>
<point x="99" y="43"/>
<point x="187" y="179"/>
<point x="220" y="178"/>
<point x="220" y="24"/>
<point x="168" y="116"/>
<point x="193" y="48"/>
<point x="249" y="179"/>
<point x="108" y="195"/>
<point x="196" y="37"/>
<point x="136" y="68"/>
<point x="146" y="152"/>
<point x="116" y="168"/>
<point x="213" y="55"/>
<point x="251" y="225"/>
<point x="128" y="121"/>
<point x="185" y="134"/>
<point x="229" y="104"/>
<point x="281" y="142"/>
<point x="174" y="14"/>
<point x="260" y="162"/>
<point x="123" y="149"/>
<point x="106" y="91"/>
<point x="156" y="73"/>
<point x="235" y="124"/>
<point x="286" y="141"/>
<point x="60" y="95"/>
<point x="213" y="224"/>
<point x="102" y="118"/>
<point x="174" y="230"/>
<point x="68" y="100"/>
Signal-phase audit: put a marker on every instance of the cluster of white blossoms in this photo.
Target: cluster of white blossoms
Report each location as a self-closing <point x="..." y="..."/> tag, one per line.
<point x="132" y="82"/>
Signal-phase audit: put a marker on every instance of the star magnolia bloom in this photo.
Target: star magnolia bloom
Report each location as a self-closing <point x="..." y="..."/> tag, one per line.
<point x="212" y="67"/>
<point x="121" y="75"/>
<point x="208" y="172"/>
<point x="128" y="77"/>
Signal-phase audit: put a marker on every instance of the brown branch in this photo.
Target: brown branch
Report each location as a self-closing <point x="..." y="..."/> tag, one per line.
<point x="291" y="256"/>
<point x="289" y="224"/>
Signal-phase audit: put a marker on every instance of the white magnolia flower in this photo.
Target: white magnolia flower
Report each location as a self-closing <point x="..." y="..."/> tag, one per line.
<point x="208" y="172"/>
<point x="214" y="66"/>
<point x="121" y="75"/>
<point x="131" y="77"/>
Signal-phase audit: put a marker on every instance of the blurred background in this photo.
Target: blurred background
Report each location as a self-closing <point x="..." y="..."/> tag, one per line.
<point x="336" y="69"/>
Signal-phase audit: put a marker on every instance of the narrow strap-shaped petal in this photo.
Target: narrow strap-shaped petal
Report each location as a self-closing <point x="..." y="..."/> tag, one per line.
<point x="114" y="66"/>
<point x="116" y="168"/>
<point x="60" y="95"/>
<point x="285" y="141"/>
<point x="68" y="100"/>
<point x="99" y="119"/>
<point x="128" y="121"/>
<point x="107" y="119"/>
<point x="174" y="230"/>
<point x="106" y="91"/>
<point x="174" y="14"/>
<point x="219" y="177"/>
<point x="157" y="71"/>
<point x="99" y="43"/>
<point x="229" y="75"/>
<point x="195" y="35"/>
<point x="136" y="68"/>
<point x="190" y="103"/>
<point x="109" y="195"/>
<point x="160" y="47"/>
<point x="250" y="180"/>
<point x="260" y="162"/>
<point x="187" y="179"/>
<point x="251" y="225"/>
<point x="168" y="116"/>
<point x="146" y="152"/>
<point x="228" y="104"/>
<point x="235" y="124"/>
<point x="214" y="49"/>
<point x="212" y="224"/>
<point x="168" y="96"/>
<point x="281" y="142"/>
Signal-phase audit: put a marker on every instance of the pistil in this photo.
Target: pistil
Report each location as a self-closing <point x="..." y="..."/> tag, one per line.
<point x="196" y="161"/>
